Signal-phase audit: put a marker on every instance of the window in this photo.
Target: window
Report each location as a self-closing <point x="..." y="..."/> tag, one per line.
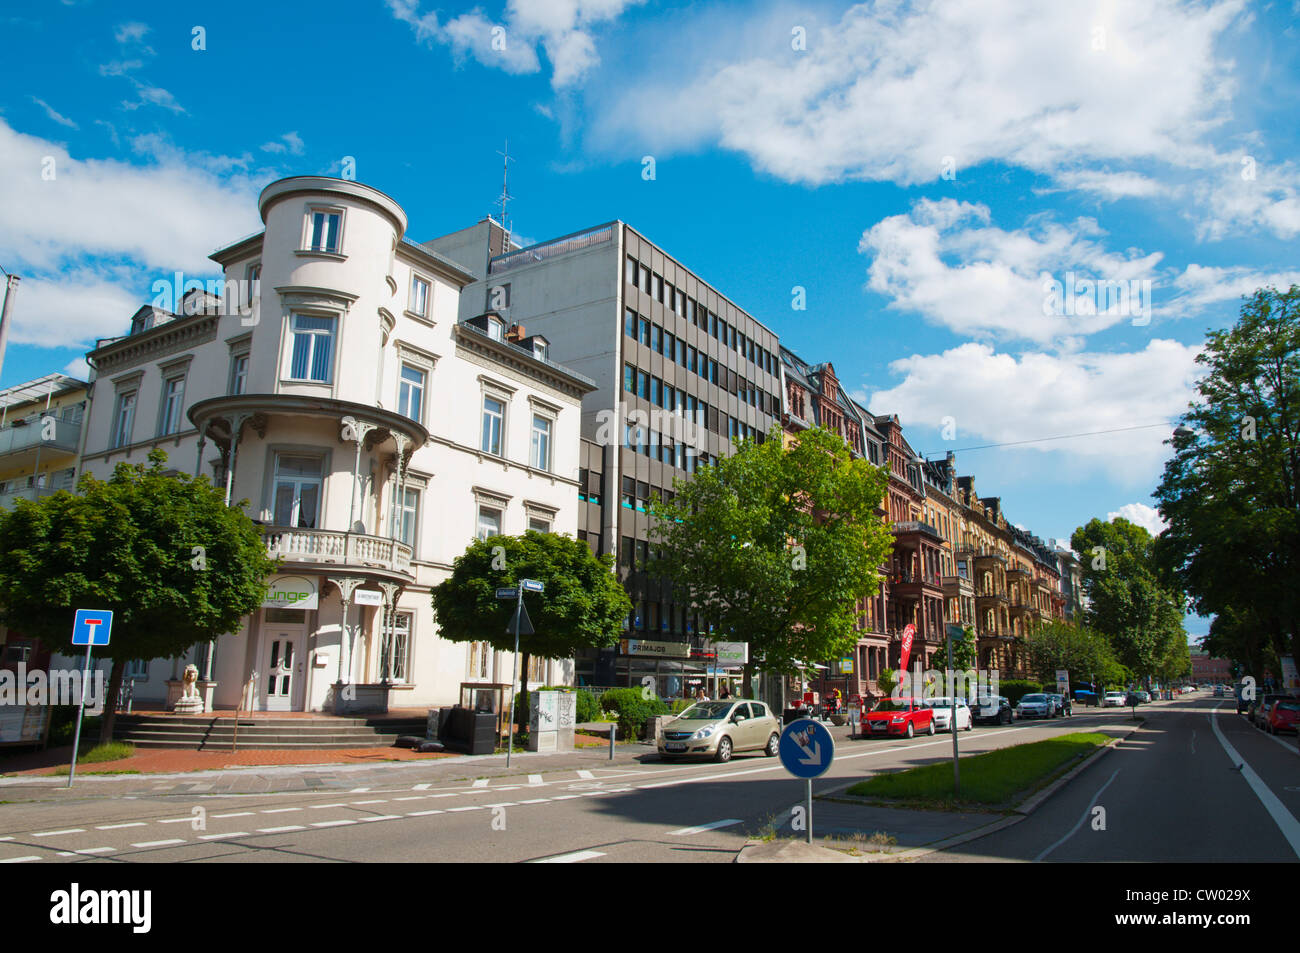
<point x="254" y="283"/>
<point x="540" y="349"/>
<point x="172" y="403"/>
<point x="496" y="329"/>
<point x="323" y="230"/>
<point x="645" y="332"/>
<point x="297" y="491"/>
<point x="540" y="449"/>
<point x="401" y="646"/>
<point x="313" y="348"/>
<point x="408" y="512"/>
<point x="238" y="373"/>
<point x="489" y="522"/>
<point x="630" y="323"/>
<point x="137" y="670"/>
<point x="124" y="419"/>
<point x="410" y="396"/>
<point x="419" y="296"/>
<point x="494" y="414"/>
<point x="629" y="378"/>
<point x="631" y="271"/>
<point x="539" y="525"/>
<point x="656" y="339"/>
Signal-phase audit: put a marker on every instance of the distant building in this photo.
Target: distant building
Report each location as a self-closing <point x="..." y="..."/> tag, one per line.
<point x="1207" y="670"/>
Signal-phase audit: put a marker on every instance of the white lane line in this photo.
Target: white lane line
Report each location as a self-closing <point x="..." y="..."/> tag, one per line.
<point x="87" y="850"/>
<point x="282" y="810"/>
<point x="70" y="830"/>
<point x="565" y="797"/>
<point x="19" y="860"/>
<point x="472" y="807"/>
<point x="233" y="814"/>
<point x="281" y="830"/>
<point x="158" y="843"/>
<point x="442" y="795"/>
<point x="1087" y="812"/>
<point x="378" y="800"/>
<point x="711" y="826"/>
<point x="418" y="797"/>
<point x="220" y="836"/>
<point x="421" y="787"/>
<point x="332" y="823"/>
<point x="175" y="820"/>
<point x="321" y="807"/>
<point x="118" y="827"/>
<point x="1283" y="818"/>
<point x="534" y="800"/>
<point x="423" y="813"/>
<point x="481" y="783"/>
<point x="534" y="779"/>
<point x="573" y="858"/>
<point x="509" y="803"/>
<point x="586" y="775"/>
<point x="382" y="817"/>
<point x="5" y="838"/>
<point x="513" y="787"/>
<point x="359" y="790"/>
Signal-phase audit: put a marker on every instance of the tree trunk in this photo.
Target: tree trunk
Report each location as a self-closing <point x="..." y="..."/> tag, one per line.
<point x="110" y="703"/>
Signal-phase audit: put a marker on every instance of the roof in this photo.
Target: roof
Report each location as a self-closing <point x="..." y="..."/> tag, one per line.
<point x="39" y="389"/>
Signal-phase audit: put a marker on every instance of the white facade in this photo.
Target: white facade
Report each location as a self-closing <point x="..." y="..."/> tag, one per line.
<point x="374" y="435"/>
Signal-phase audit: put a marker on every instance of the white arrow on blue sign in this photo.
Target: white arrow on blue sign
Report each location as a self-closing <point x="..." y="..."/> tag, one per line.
<point x="807" y="748"/>
<point x="92" y="626"/>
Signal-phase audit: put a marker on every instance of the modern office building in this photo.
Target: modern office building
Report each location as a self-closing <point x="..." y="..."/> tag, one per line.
<point x="329" y="383"/>
<point x="680" y="370"/>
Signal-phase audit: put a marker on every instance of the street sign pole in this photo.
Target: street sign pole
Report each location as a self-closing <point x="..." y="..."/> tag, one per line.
<point x="952" y="718"/>
<point x="809" y="800"/>
<point x="510" y="712"/>
<point x="81" y="711"/>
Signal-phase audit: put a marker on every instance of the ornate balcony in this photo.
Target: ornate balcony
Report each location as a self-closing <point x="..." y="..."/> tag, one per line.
<point x="322" y="547"/>
<point x="912" y="586"/>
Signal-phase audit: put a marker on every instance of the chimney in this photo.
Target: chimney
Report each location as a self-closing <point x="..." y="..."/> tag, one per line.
<point x="516" y="333"/>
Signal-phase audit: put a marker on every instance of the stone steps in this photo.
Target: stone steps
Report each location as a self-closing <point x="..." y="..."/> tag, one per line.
<point x="203" y="733"/>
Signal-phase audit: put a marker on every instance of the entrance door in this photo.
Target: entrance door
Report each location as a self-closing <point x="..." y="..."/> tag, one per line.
<point x="282" y="670"/>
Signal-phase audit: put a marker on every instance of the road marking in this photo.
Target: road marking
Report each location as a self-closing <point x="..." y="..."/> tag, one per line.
<point x="1283" y="818"/>
<point x="534" y="800"/>
<point x="235" y="814"/>
<point x="379" y="800"/>
<point x="1079" y="823"/>
<point x="280" y="830"/>
<point x="423" y="813"/>
<point x="382" y="817"/>
<point x="421" y="787"/>
<point x="158" y="843"/>
<point x="565" y="797"/>
<point x="417" y="797"/>
<point x="573" y="858"/>
<point x="687" y="831"/>
<point x="472" y="807"/>
<point x="332" y="823"/>
<point x="586" y="775"/>
<point x="359" y="790"/>
<point x="282" y="810"/>
<point x="118" y="827"/>
<point x="19" y="860"/>
<point x="534" y="779"/>
<point x="321" y="807"/>
<point x="219" y="836"/>
<point x="481" y="783"/>
<point x="175" y="820"/>
<point x="5" y="838"/>
<point x="70" y="830"/>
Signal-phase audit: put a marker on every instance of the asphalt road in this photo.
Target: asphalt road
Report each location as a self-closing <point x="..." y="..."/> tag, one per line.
<point x="655" y="812"/>
<point x="1196" y="784"/>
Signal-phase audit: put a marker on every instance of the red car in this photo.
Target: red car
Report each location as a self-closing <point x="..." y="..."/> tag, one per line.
<point x="903" y="716"/>
<point x="1283" y="715"/>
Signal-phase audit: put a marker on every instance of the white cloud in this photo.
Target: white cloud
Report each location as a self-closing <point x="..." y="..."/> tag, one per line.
<point x="131" y="32"/>
<point x="1200" y="286"/>
<point x="998" y="398"/>
<point x="1111" y="186"/>
<point x="945" y="261"/>
<point x="561" y="28"/>
<point x="1249" y="194"/>
<point x="1142" y="515"/>
<point x="73" y="308"/>
<point x="56" y="116"/>
<point x="291" y="142"/>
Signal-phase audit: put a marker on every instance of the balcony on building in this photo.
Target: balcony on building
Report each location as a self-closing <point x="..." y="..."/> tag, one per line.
<point x="22" y="439"/>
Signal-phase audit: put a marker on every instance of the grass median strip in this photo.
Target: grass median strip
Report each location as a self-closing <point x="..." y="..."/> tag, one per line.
<point x="992" y="779"/>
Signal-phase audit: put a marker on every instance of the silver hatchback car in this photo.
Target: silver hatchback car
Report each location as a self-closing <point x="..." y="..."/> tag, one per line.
<point x="719" y="729"/>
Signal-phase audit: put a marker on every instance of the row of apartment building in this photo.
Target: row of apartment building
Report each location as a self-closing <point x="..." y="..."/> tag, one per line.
<point x="376" y="403"/>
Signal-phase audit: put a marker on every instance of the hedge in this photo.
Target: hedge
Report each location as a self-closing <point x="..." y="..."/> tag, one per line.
<point x="1016" y="688"/>
<point x="631" y="710"/>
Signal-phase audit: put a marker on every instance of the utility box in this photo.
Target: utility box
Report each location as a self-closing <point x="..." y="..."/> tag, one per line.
<point x="551" y="718"/>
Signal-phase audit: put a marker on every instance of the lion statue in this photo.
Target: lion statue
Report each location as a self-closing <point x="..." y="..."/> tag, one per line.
<point x="190" y="701"/>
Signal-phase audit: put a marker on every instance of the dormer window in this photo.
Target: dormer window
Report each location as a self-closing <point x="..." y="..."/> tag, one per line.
<point x="539" y="350"/>
<point x="496" y="329"/>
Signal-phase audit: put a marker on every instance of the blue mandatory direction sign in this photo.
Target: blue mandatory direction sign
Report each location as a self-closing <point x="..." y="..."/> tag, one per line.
<point x="92" y="627"/>
<point x="807" y="748"/>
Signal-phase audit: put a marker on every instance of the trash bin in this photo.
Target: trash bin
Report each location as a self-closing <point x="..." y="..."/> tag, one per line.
<point x="471" y="732"/>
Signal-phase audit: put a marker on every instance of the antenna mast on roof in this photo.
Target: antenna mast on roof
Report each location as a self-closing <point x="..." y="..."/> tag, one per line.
<point x="505" y="195"/>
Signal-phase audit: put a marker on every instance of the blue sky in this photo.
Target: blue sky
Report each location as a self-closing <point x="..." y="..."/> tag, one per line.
<point x="923" y="171"/>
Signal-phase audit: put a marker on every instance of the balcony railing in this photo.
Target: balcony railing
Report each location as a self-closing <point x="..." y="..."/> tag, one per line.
<point x="32" y="493"/>
<point x="916" y="526"/>
<point x="26" y="434"/>
<point x="551" y="249"/>
<point x="343" y="549"/>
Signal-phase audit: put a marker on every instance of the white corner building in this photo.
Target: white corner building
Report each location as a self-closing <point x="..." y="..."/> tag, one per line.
<point x="330" y="385"/>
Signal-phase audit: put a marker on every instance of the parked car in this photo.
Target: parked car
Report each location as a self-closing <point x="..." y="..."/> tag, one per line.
<point x="1143" y="696"/>
<point x="1114" y="700"/>
<point x="1283" y="715"/>
<point x="1059" y="706"/>
<point x="1035" y="705"/>
<point x="904" y="716"/>
<point x="719" y="729"/>
<point x="942" y="708"/>
<point x="1219" y="691"/>
<point x="993" y="709"/>
<point x="1257" y="714"/>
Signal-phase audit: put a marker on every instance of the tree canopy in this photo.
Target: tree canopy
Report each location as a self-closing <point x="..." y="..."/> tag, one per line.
<point x="774" y="546"/>
<point x="1231" y="491"/>
<point x="162" y="550"/>
<point x="1081" y="651"/>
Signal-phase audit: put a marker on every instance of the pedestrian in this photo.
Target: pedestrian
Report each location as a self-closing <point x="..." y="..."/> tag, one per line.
<point x="725" y="694"/>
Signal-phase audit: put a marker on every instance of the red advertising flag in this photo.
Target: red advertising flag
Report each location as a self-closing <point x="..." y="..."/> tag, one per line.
<point x="909" y="632"/>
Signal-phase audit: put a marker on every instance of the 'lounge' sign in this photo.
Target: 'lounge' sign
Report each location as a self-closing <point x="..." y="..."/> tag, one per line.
<point x="291" y="592"/>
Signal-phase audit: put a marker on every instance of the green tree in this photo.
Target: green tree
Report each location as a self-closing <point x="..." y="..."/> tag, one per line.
<point x="1059" y="644"/>
<point x="584" y="606"/>
<point x="886" y="681"/>
<point x="1231" y="491"/>
<point x="963" y="653"/>
<point x="162" y="550"/>
<point x="775" y="545"/>
<point x="1128" y="601"/>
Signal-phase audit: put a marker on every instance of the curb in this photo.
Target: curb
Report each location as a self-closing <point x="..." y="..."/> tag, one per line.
<point x="1022" y="812"/>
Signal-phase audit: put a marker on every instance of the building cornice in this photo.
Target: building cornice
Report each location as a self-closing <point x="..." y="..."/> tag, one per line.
<point x="170" y="338"/>
<point x="521" y="362"/>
